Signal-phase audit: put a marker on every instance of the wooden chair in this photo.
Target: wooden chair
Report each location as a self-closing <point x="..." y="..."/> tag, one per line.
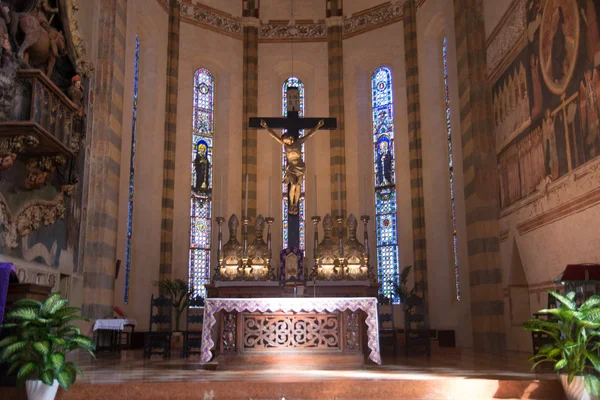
<point x="158" y="339"/>
<point x="416" y="326"/>
<point x="192" y="336"/>
<point x="387" y="330"/>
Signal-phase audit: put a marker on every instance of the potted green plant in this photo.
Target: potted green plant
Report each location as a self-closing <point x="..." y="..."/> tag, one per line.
<point x="39" y="335"/>
<point x="179" y="292"/>
<point x="574" y="331"/>
<point x="402" y="288"/>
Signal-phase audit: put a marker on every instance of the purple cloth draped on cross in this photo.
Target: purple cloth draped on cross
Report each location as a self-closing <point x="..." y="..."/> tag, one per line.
<point x="5" y="271"/>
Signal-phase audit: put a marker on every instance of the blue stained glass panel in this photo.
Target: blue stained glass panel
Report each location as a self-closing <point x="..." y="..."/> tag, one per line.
<point x="292" y="82"/>
<point x="451" y="166"/>
<point x="201" y="201"/>
<point x="136" y="76"/>
<point x="385" y="180"/>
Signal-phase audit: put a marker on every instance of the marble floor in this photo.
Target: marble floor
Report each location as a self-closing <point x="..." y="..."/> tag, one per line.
<point x="448" y="374"/>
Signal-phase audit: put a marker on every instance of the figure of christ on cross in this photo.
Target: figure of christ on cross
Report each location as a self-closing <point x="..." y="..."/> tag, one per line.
<point x="292" y="143"/>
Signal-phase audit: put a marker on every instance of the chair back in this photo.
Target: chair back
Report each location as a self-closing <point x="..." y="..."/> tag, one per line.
<point x="416" y="312"/>
<point x="195" y="314"/>
<point x="385" y="310"/>
<point x="161" y="314"/>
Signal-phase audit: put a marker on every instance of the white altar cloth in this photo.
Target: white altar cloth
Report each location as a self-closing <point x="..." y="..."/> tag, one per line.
<point x="113" y="324"/>
<point x="297" y="304"/>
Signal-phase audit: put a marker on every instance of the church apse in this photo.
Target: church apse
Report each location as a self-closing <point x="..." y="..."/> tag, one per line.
<point x="43" y="110"/>
<point x="545" y="103"/>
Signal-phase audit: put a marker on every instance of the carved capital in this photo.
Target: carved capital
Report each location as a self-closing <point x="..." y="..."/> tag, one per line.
<point x="251" y="22"/>
<point x="334" y="21"/>
<point x="10" y="147"/>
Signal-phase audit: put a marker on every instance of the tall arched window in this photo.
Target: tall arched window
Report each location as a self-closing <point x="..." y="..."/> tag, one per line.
<point x="201" y="185"/>
<point x="136" y="75"/>
<point x="292" y="81"/>
<point x="385" y="180"/>
<point x="450" y="166"/>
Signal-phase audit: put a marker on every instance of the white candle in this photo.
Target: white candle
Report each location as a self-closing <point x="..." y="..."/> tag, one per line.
<point x="316" y="199"/>
<point x="246" y="199"/>
<point x="365" y="195"/>
<point x="270" y="195"/>
<point x="221" y="197"/>
<point x="340" y="195"/>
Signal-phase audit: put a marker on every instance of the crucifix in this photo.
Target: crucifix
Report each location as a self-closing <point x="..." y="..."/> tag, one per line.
<point x="292" y="143"/>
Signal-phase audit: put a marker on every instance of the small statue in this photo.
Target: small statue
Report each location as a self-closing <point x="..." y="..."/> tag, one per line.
<point x="232" y="252"/>
<point x="295" y="168"/>
<point x="354" y="252"/>
<point x="202" y="166"/>
<point x="257" y="252"/>
<point x="75" y="92"/>
<point x="6" y="53"/>
<point x="41" y="8"/>
<point x="7" y="161"/>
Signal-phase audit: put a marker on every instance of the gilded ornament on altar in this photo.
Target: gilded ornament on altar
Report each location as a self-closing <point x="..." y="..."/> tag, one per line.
<point x="328" y="254"/>
<point x="352" y="331"/>
<point x="232" y="252"/>
<point x="257" y="268"/>
<point x="354" y="253"/>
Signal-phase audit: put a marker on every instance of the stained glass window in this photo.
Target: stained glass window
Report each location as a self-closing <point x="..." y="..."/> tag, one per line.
<point x="292" y="82"/>
<point x="136" y="75"/>
<point x="385" y="180"/>
<point x="202" y="184"/>
<point x="450" y="166"/>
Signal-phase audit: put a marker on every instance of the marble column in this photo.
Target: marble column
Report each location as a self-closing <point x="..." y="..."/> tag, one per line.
<point x="168" y="186"/>
<point x="481" y="179"/>
<point x="250" y="108"/>
<point x="337" y="142"/>
<point x="103" y="165"/>
<point x="415" y="151"/>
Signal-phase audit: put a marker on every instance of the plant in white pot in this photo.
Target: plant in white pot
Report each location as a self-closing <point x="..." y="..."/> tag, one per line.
<point x="39" y="335"/>
<point x="575" y="340"/>
<point x="179" y="292"/>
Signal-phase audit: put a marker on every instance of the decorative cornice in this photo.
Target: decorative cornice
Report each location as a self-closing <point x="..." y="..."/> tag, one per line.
<point x="279" y="31"/>
<point x="297" y="32"/>
<point x="570" y="207"/>
<point x="507" y="34"/>
<point x="373" y="18"/>
<point x="210" y="18"/>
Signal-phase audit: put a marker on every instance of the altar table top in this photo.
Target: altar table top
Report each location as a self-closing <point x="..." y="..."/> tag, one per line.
<point x="115" y="324"/>
<point x="295" y="304"/>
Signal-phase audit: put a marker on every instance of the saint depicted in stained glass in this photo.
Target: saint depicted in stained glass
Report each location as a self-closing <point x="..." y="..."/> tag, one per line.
<point x="202" y="166"/>
<point x="201" y="182"/>
<point x="385" y="190"/>
<point x="384" y="161"/>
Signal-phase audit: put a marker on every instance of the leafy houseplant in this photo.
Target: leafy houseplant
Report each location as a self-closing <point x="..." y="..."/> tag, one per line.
<point x="402" y="289"/>
<point x="39" y="337"/>
<point x="575" y="338"/>
<point x="179" y="291"/>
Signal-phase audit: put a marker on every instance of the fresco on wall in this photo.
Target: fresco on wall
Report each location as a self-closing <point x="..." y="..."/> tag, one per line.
<point x="546" y="103"/>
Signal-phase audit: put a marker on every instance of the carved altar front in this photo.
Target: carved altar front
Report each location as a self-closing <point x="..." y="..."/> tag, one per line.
<point x="280" y="332"/>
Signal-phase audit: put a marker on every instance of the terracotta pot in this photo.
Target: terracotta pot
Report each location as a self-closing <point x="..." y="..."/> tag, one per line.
<point x="176" y="341"/>
<point x="576" y="390"/>
<point x="38" y="390"/>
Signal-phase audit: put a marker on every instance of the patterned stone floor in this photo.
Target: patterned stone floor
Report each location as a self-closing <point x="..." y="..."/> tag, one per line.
<point x="448" y="374"/>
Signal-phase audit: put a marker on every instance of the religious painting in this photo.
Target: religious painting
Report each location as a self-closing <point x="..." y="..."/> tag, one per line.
<point x="559" y="130"/>
<point x="559" y="43"/>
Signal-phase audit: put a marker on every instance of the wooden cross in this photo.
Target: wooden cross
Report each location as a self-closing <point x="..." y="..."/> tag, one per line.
<point x="293" y="124"/>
